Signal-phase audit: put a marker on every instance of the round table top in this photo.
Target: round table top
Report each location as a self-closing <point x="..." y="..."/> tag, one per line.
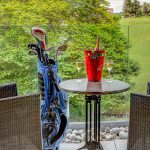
<point x="83" y="86"/>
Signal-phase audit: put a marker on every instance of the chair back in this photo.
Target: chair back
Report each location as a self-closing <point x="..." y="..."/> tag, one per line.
<point x="139" y="124"/>
<point x="8" y="90"/>
<point x="20" y="127"/>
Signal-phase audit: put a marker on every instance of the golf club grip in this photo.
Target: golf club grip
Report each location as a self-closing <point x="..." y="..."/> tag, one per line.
<point x="61" y="129"/>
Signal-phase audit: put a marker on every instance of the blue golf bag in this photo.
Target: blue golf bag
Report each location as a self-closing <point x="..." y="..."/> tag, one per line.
<point x="54" y="102"/>
<point x="54" y="106"/>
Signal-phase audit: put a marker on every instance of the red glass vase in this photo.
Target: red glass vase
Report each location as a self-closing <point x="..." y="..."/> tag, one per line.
<point x="94" y="61"/>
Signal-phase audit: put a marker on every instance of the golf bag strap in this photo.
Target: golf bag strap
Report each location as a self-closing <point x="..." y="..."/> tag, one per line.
<point x="61" y="129"/>
<point x="63" y="122"/>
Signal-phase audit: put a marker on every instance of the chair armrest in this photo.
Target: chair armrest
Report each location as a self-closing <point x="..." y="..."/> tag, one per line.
<point x="8" y="90"/>
<point x="148" y="88"/>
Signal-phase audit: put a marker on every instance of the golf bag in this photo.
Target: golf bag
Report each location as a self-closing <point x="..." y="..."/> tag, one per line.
<point x="54" y="102"/>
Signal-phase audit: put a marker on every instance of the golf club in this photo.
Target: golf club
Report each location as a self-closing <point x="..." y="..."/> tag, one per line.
<point x="40" y="36"/>
<point x="63" y="46"/>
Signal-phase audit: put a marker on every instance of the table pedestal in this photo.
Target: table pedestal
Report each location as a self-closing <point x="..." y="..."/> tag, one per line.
<point x="93" y="92"/>
<point x="90" y="143"/>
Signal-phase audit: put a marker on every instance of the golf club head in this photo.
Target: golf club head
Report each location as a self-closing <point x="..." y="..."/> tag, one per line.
<point x="32" y="52"/>
<point x="33" y="46"/>
<point x="51" y="61"/>
<point x="40" y="36"/>
<point x="62" y="48"/>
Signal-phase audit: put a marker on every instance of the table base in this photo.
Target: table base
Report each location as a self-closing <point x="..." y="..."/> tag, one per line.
<point x="92" y="143"/>
<point x="92" y="146"/>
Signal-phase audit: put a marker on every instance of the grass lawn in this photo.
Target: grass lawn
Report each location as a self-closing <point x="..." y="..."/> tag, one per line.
<point x="139" y="37"/>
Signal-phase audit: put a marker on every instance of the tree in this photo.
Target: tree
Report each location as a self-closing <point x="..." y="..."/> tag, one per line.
<point x="91" y="11"/>
<point x="127" y="8"/>
<point x="146" y="8"/>
<point x="132" y="7"/>
<point x="136" y="8"/>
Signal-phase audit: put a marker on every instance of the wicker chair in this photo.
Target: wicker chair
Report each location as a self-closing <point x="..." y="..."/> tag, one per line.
<point x="139" y="124"/>
<point x="148" y="88"/>
<point x="20" y="127"/>
<point x="8" y="90"/>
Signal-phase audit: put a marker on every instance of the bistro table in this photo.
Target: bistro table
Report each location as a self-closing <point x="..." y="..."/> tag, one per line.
<point x="93" y="92"/>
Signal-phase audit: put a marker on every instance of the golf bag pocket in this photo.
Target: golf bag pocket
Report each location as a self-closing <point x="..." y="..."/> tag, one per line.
<point x="62" y="100"/>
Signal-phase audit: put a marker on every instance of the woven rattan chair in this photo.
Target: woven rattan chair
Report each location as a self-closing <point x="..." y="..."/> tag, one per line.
<point x="20" y="127"/>
<point x="148" y="88"/>
<point x="139" y="124"/>
<point x="8" y="90"/>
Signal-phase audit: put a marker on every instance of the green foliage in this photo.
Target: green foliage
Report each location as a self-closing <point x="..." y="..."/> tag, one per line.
<point x="33" y="12"/>
<point x="115" y="104"/>
<point x="146" y="8"/>
<point x="15" y="62"/>
<point x="79" y="20"/>
<point x="90" y="11"/>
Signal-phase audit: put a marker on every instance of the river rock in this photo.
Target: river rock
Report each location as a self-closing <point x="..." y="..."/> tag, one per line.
<point x="126" y="129"/>
<point x="109" y="137"/>
<point x="107" y="130"/>
<point x="122" y="129"/>
<point x="102" y="134"/>
<point x="75" y="132"/>
<point x="114" y="136"/>
<point x="73" y="137"/>
<point x="123" y="135"/>
<point x="67" y="140"/>
<point x="115" y="131"/>
<point x="81" y="131"/>
<point x="68" y="135"/>
<point x="75" y="141"/>
<point x="79" y="138"/>
<point x="83" y="136"/>
<point x="69" y="131"/>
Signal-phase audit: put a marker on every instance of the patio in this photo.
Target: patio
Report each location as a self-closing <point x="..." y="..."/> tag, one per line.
<point x="107" y="145"/>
